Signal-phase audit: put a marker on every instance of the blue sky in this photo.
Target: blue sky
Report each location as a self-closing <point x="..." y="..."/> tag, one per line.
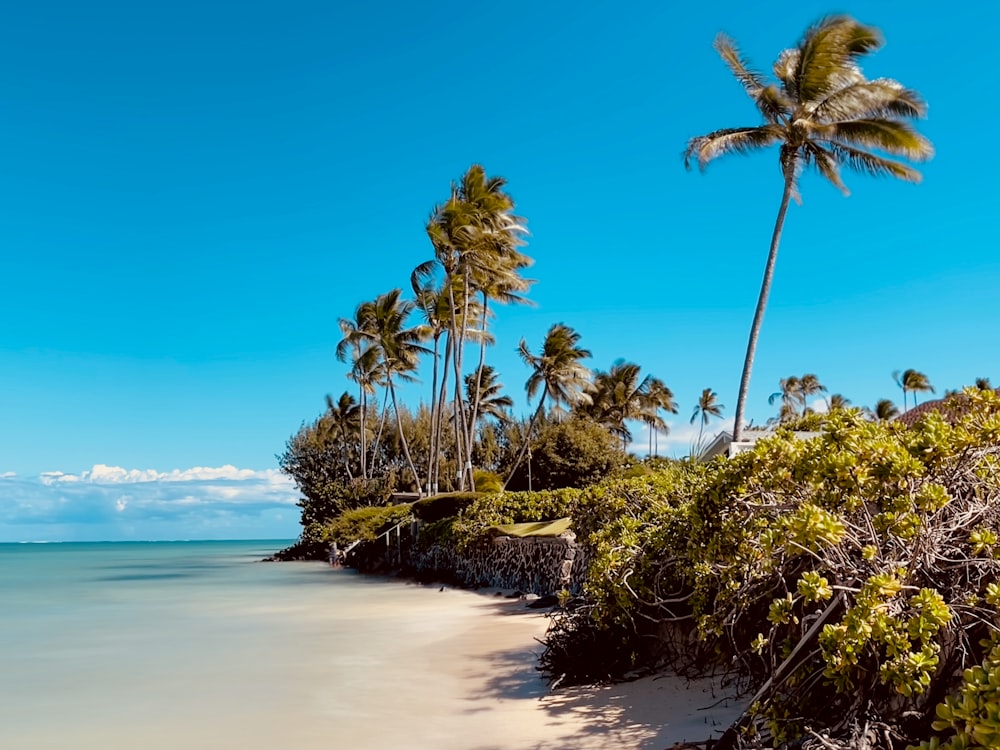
<point x="191" y="195"/>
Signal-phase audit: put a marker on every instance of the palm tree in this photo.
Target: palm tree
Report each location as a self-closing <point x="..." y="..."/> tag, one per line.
<point x="708" y="406"/>
<point x="809" y="385"/>
<point x="483" y="389"/>
<point x="560" y="375"/>
<point x="618" y="395"/>
<point x="912" y="381"/>
<point x="475" y="237"/>
<point x="822" y="112"/>
<point x="837" y="401"/>
<point x="345" y="416"/>
<point x="656" y="399"/>
<point x="984" y="384"/>
<point x="884" y="410"/>
<point x="365" y="372"/>
<point x="382" y="325"/>
<point x="790" y="393"/>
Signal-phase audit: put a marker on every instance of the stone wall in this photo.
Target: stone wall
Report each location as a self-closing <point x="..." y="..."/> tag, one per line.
<point x="531" y="565"/>
<point x="535" y="565"/>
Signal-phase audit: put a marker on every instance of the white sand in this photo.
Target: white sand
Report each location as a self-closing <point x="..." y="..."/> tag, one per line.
<point x="467" y="680"/>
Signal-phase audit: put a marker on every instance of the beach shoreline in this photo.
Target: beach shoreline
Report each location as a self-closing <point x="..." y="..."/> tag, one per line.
<point x="490" y="695"/>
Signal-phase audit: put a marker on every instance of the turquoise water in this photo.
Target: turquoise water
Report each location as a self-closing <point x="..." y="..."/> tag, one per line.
<point x="160" y="646"/>
<point x="149" y="645"/>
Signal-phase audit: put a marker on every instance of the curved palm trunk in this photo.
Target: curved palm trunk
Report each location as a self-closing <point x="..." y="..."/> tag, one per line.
<point x="765" y="291"/>
<point x="402" y="435"/>
<point x="527" y="438"/>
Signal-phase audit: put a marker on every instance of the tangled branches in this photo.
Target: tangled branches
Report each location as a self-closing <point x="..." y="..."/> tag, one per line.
<point x="851" y="577"/>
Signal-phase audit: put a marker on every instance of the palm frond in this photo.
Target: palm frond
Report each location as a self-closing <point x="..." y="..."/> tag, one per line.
<point x="786" y="69"/>
<point x="876" y="166"/>
<point x="827" y="59"/>
<point x="752" y="81"/>
<point x="826" y="164"/>
<point x="728" y="141"/>
<point x="882" y="97"/>
<point x="891" y="136"/>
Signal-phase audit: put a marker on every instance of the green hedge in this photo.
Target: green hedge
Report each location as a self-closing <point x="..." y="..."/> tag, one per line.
<point x="445" y="505"/>
<point x="364" y="523"/>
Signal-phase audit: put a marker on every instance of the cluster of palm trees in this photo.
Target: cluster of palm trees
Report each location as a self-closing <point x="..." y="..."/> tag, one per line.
<point x="793" y="392"/>
<point x="477" y="264"/>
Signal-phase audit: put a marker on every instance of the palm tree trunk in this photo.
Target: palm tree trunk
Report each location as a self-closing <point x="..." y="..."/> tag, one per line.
<point x="527" y="437"/>
<point x="364" y="408"/>
<point x="456" y="339"/>
<point x="402" y="435"/>
<point x="474" y="406"/>
<point x="442" y="399"/>
<point x="765" y="290"/>
<point x="378" y="437"/>
<point x="347" y="458"/>
<point x="433" y="442"/>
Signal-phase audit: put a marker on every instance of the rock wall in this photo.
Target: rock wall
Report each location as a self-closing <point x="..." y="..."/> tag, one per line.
<point x="531" y="565"/>
<point x="535" y="565"/>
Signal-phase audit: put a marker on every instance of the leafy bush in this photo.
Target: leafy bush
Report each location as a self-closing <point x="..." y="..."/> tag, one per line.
<point x="865" y="558"/>
<point x="441" y="506"/>
<point x="487" y="481"/>
<point x="574" y="453"/>
<point x="364" y="523"/>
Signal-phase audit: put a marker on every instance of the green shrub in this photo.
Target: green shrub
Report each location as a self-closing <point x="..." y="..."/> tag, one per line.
<point x="886" y="536"/>
<point x="487" y="481"/>
<point x="445" y="505"/>
<point x="364" y="523"/>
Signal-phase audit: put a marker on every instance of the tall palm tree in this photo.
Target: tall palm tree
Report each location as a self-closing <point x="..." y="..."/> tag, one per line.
<point x="658" y="397"/>
<point x="432" y="302"/>
<point x="365" y="371"/>
<point x="475" y="235"/>
<point x="558" y="372"/>
<point x="912" y="381"/>
<point x="822" y="112"/>
<point x="708" y="406"/>
<point x="382" y="324"/>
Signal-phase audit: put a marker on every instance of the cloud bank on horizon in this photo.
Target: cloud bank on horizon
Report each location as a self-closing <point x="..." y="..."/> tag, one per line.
<point x="111" y="503"/>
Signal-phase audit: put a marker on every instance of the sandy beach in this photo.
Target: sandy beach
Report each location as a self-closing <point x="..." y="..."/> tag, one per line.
<point x="466" y="679"/>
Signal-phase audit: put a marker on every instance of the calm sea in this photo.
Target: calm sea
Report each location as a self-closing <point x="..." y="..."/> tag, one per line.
<point x="186" y="645"/>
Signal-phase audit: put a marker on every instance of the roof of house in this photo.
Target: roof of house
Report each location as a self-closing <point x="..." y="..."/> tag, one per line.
<point x="951" y="408"/>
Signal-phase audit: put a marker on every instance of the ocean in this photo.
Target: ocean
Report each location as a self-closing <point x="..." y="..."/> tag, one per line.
<point x="196" y="645"/>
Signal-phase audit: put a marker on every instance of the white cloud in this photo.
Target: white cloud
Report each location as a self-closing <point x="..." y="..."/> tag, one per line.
<point x="115" y="502"/>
